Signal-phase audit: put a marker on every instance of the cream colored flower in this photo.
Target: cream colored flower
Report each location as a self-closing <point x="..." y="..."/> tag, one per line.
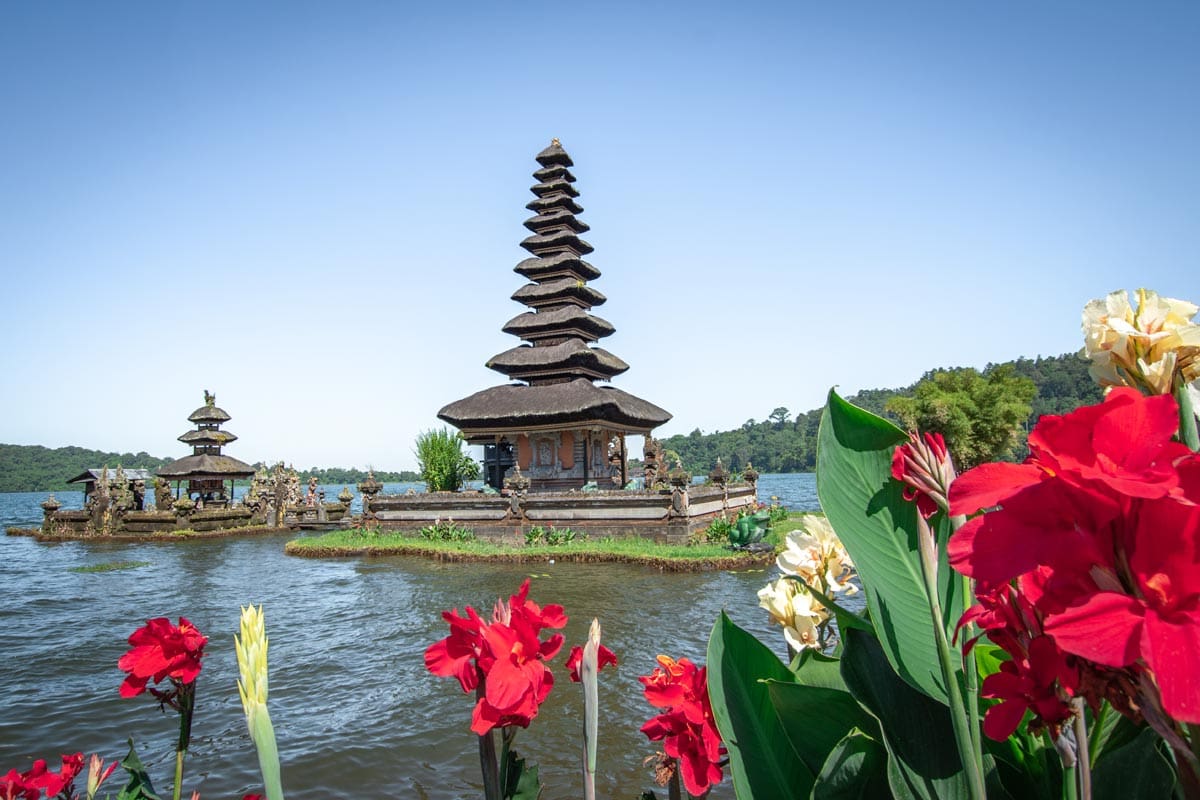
<point x="792" y="606"/>
<point x="1150" y="347"/>
<point x="815" y="554"/>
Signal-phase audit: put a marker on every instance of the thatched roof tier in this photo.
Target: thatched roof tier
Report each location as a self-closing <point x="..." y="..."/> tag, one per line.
<point x="93" y="475"/>
<point x="206" y="467"/>
<point x="519" y="409"/>
<point x="560" y="186"/>
<point x="554" y="154"/>
<point x="208" y="437"/>
<point x="554" y="201"/>
<point x="556" y="242"/>
<point x="556" y="219"/>
<point x="566" y="321"/>
<point x="569" y="359"/>
<point x="208" y="413"/>
<point x="562" y="265"/>
<point x="554" y="171"/>
<point x="558" y="292"/>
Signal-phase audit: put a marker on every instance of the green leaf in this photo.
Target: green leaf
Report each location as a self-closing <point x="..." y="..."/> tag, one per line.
<point x="1137" y="769"/>
<point x="988" y="658"/>
<point x="855" y="770"/>
<point x="521" y="781"/>
<point x="138" y="787"/>
<point x="879" y="529"/>
<point x="916" y="730"/>
<point x="762" y="763"/>
<point x="814" y="668"/>
<point x="816" y="719"/>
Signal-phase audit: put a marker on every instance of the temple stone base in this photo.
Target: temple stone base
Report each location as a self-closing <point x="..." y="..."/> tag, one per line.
<point x="661" y="516"/>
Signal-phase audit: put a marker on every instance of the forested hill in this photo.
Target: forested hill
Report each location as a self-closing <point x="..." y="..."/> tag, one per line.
<point x="33" y="468"/>
<point x="783" y="443"/>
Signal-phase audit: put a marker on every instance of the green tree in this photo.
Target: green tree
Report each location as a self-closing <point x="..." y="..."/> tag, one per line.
<point x="981" y="415"/>
<point x="441" y="461"/>
<point x="780" y="416"/>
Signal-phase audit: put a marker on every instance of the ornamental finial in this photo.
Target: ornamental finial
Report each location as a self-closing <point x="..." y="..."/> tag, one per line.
<point x="555" y="142"/>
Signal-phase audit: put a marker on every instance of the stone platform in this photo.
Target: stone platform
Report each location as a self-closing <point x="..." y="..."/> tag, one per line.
<point x="665" y="516"/>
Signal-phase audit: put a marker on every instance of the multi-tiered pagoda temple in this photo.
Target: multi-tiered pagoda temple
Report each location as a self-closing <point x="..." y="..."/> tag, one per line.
<point x="555" y="422"/>
<point x="206" y="470"/>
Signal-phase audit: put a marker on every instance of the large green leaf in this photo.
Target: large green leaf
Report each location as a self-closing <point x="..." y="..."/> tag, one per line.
<point x="762" y="762"/>
<point x="916" y="730"/>
<point x="138" y="787"/>
<point x="519" y="780"/>
<point x="1138" y="769"/>
<point x="814" y="668"/>
<point x="879" y="529"/>
<point x="855" y="770"/>
<point x="816" y="719"/>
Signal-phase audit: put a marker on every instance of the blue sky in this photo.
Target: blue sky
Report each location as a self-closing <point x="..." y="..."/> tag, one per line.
<point x="313" y="209"/>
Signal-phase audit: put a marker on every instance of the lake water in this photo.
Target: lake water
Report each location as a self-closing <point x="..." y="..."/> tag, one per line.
<point x="355" y="711"/>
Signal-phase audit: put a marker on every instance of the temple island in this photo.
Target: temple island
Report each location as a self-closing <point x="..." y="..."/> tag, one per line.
<point x="194" y="493"/>
<point x="554" y="441"/>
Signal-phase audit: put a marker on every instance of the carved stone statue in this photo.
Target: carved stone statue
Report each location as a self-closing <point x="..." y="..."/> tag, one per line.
<point x="162" y="494"/>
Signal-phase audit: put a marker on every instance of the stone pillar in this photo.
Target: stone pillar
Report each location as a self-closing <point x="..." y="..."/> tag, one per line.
<point x="50" y="507"/>
<point x="751" y="476"/>
<point x="369" y="488"/>
<point x="680" y="480"/>
<point x="720" y="477"/>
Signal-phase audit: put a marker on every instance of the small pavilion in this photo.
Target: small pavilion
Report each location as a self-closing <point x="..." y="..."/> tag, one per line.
<point x="206" y="470"/>
<point x="553" y="422"/>
<point x="133" y="477"/>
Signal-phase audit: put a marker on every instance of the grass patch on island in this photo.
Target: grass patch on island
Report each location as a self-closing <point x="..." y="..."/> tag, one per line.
<point x="111" y="566"/>
<point x="580" y="549"/>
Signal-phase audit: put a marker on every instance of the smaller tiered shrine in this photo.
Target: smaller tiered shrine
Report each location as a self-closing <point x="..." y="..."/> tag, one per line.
<point x="554" y="423"/>
<point x="207" y="469"/>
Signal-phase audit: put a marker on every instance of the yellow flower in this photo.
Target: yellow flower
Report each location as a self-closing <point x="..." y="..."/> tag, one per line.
<point x="791" y="605"/>
<point x="1148" y="348"/>
<point x="815" y="554"/>
<point x="251" y="650"/>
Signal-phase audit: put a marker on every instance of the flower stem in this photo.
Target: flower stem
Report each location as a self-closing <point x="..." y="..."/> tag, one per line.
<point x="1187" y="418"/>
<point x="963" y="737"/>
<point x="1081" y="750"/>
<point x="186" y="694"/>
<point x="969" y="662"/>
<point x="1069" y="787"/>
<point x="673" y="792"/>
<point x="179" y="755"/>
<point x="487" y="756"/>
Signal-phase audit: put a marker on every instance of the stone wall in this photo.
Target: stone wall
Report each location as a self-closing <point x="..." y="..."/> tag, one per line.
<point x="662" y="516"/>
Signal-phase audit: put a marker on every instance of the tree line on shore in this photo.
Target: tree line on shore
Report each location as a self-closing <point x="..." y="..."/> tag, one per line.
<point x="977" y="410"/>
<point x="33" y="468"/>
<point x="988" y="412"/>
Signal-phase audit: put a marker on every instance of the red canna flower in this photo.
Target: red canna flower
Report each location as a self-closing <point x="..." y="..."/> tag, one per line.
<point x="686" y="728"/>
<point x="1097" y="537"/>
<point x="30" y="785"/>
<point x="162" y="650"/>
<point x="507" y="656"/>
<point x="1033" y="682"/>
<point x="1159" y="623"/>
<point x="575" y="659"/>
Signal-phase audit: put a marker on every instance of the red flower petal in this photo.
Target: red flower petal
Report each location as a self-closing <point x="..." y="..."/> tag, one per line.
<point x="1170" y="645"/>
<point x="1105" y="629"/>
<point x="990" y="484"/>
<point x="1002" y="719"/>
